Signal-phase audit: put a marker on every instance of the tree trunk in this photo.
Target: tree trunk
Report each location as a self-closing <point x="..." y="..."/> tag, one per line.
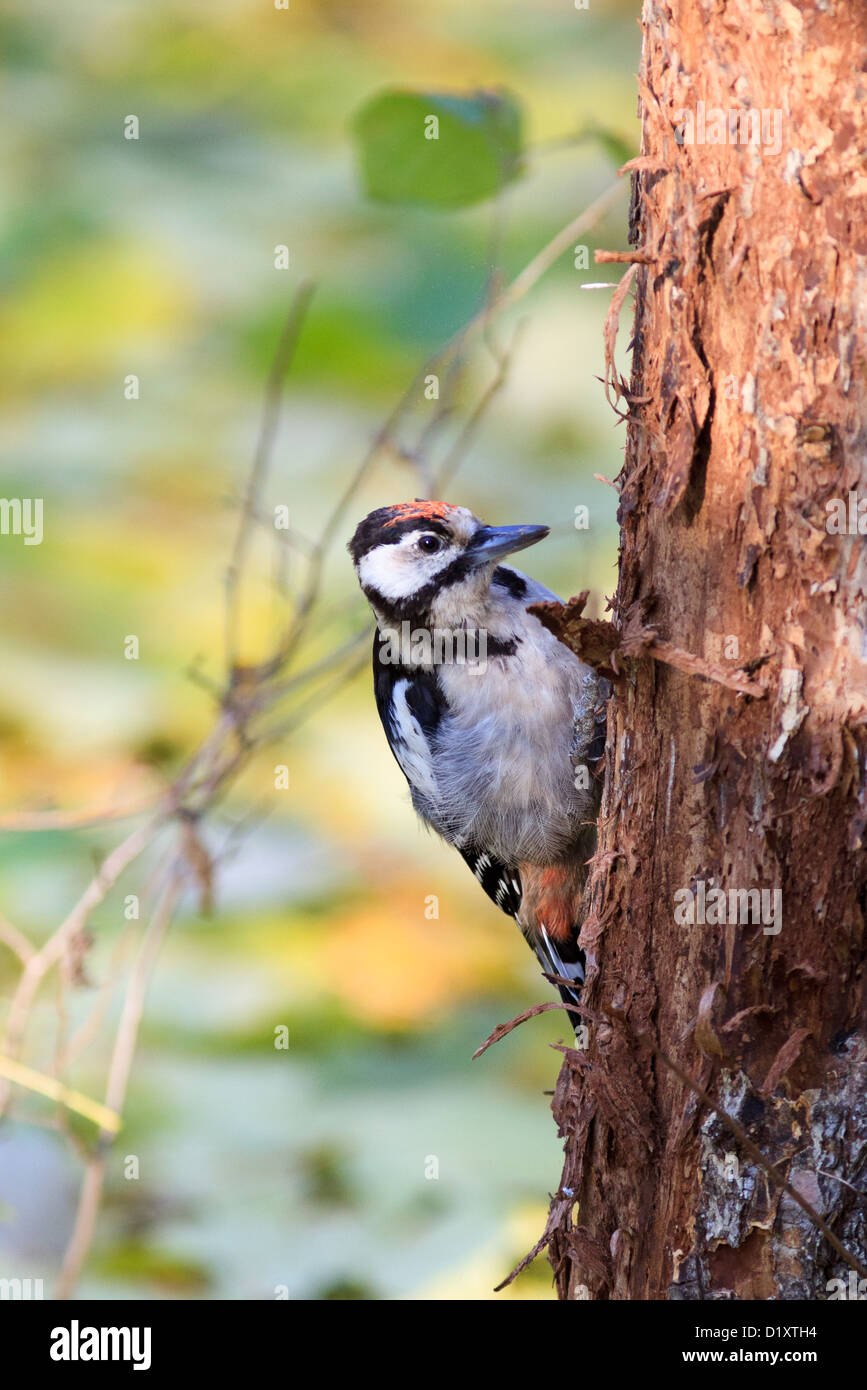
<point x="747" y="446"/>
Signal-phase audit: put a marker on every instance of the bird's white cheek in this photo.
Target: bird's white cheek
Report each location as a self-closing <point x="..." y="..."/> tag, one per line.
<point x="398" y="573"/>
<point x="383" y="569"/>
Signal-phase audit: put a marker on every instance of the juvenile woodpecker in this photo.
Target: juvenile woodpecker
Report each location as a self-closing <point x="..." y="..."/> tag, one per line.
<point x="494" y="723"/>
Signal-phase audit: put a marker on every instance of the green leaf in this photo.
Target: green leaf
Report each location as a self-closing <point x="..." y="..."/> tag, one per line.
<point x="438" y="150"/>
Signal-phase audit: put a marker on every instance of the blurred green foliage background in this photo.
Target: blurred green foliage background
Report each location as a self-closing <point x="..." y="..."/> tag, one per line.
<point x="306" y="1167"/>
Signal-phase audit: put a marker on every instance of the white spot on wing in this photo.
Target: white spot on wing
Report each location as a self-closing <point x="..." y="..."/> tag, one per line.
<point x="410" y="745"/>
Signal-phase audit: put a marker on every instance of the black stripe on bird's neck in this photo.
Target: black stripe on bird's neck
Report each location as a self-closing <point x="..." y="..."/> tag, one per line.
<point x="486" y="644"/>
<point x="416" y="607"/>
<point x="514" y="584"/>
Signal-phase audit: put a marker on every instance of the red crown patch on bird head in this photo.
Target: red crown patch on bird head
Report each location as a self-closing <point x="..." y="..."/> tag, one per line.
<point x="420" y="510"/>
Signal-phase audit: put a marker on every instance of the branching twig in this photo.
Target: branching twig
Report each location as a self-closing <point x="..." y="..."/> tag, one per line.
<point x="28" y="821"/>
<point x="503" y="1030"/>
<point x="255" y="481"/>
<point x="50" y="953"/>
<point x="118" y="1079"/>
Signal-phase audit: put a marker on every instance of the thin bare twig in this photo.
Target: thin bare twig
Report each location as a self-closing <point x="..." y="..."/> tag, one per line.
<point x="50" y="953"/>
<point x="28" y="821"/>
<point x="452" y="462"/>
<point x="255" y="481"/>
<point x="16" y="941"/>
<point x="503" y="1030"/>
<point x="118" y="1080"/>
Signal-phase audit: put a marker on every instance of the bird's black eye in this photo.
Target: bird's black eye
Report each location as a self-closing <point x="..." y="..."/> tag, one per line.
<point x="429" y="544"/>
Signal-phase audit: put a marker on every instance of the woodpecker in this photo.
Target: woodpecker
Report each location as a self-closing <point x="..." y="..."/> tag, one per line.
<point x="495" y="724"/>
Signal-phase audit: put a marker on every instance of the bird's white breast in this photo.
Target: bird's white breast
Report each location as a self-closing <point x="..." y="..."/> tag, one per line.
<point x="503" y="755"/>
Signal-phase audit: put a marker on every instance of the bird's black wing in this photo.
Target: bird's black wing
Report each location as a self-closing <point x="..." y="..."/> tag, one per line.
<point x="410" y="705"/>
<point x="501" y="882"/>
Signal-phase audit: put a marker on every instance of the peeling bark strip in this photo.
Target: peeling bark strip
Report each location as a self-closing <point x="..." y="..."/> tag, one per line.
<point x="748" y="432"/>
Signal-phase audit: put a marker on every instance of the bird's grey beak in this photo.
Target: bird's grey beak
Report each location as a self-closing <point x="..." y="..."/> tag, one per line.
<point x="491" y="542"/>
